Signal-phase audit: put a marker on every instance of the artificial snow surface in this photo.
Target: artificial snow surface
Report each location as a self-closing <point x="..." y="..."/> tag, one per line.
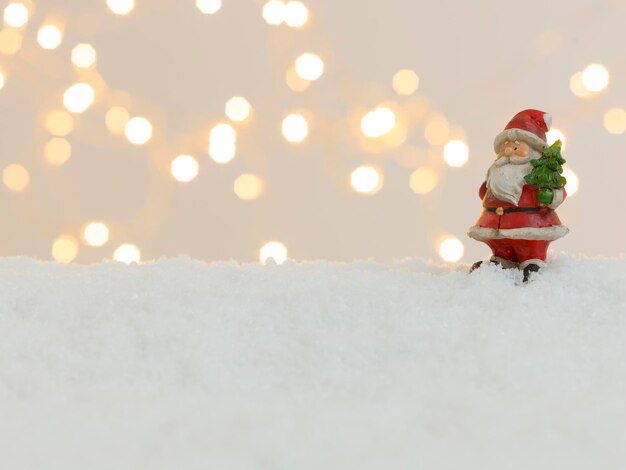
<point x="184" y="365"/>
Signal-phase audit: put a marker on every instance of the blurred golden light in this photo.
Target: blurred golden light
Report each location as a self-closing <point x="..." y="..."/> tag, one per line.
<point x="456" y="153"/>
<point x="121" y="7"/>
<point x="223" y="143"/>
<point x="406" y="82"/>
<point x="309" y="66"/>
<point x="96" y="234"/>
<point x="275" y="251"/>
<point x="127" y="253"/>
<point x="595" y="77"/>
<point x="59" y="123"/>
<point x="209" y="7"/>
<point x="84" y="56"/>
<point x="248" y="187"/>
<point x="366" y="180"/>
<point x="138" y="130"/>
<point x="423" y="180"/>
<point x="296" y="14"/>
<point x="10" y="41"/>
<point x="572" y="182"/>
<point x="451" y="250"/>
<point x="16" y="177"/>
<point x="397" y="136"/>
<point x="577" y="87"/>
<point x="615" y="121"/>
<point x="238" y="109"/>
<point x="116" y="119"/>
<point x="437" y="130"/>
<point x="16" y="15"/>
<point x="378" y="122"/>
<point x="58" y="151"/>
<point x="184" y="168"/>
<point x="295" y="128"/>
<point x="553" y="135"/>
<point x="65" y="249"/>
<point x="295" y="82"/>
<point x="49" y="37"/>
<point x="2" y="80"/>
<point x="78" y="98"/>
<point x="274" y="12"/>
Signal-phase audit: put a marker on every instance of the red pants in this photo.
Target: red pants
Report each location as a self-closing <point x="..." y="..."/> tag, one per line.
<point x="518" y="251"/>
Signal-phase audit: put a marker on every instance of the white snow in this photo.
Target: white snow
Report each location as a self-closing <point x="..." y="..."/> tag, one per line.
<point x="183" y="365"/>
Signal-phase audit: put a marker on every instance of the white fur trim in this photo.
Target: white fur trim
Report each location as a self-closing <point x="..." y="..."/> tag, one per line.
<point x="524" y="233"/>
<point x="538" y="262"/>
<point x="558" y="198"/>
<point x="519" y="134"/>
<point x="547" y="118"/>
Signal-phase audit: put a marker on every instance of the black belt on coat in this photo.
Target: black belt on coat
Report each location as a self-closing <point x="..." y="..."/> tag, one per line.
<point x="508" y="210"/>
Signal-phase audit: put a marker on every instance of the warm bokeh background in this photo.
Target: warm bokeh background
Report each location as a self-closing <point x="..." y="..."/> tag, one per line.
<point x="478" y="64"/>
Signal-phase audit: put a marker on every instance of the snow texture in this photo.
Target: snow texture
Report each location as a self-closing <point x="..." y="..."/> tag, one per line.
<point x="184" y="365"/>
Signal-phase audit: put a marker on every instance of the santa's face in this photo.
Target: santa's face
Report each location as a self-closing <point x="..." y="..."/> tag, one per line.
<point x="505" y="178"/>
<point x="513" y="148"/>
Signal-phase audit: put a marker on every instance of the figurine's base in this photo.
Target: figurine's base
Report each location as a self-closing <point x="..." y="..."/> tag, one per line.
<point x="179" y="364"/>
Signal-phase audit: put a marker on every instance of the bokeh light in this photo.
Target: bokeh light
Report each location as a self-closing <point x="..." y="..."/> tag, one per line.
<point x="273" y="251"/>
<point x="138" y="131"/>
<point x="274" y="12"/>
<point x="456" y="153"/>
<point x="378" y="122"/>
<point x="2" y="80"/>
<point x="309" y="66"/>
<point x="296" y="14"/>
<point x="405" y="82"/>
<point x="116" y="119"/>
<point x="209" y="7"/>
<point x="16" y="178"/>
<point x="121" y="7"/>
<point x="295" y="128"/>
<point x="577" y="87"/>
<point x="58" y="151"/>
<point x="572" y="182"/>
<point x="10" y="41"/>
<point x="184" y="168"/>
<point x="366" y="180"/>
<point x="49" y="37"/>
<point x="96" y="234"/>
<point x="248" y="187"/>
<point x="555" y="134"/>
<point x="295" y="82"/>
<point x="127" y="254"/>
<point x="223" y="143"/>
<point x="451" y="250"/>
<point x="437" y="130"/>
<point x="65" y="249"/>
<point x="16" y="14"/>
<point x="84" y="56"/>
<point x="78" y="98"/>
<point x="423" y="180"/>
<point x="59" y="123"/>
<point x="615" y="121"/>
<point x="595" y="78"/>
<point x="238" y="109"/>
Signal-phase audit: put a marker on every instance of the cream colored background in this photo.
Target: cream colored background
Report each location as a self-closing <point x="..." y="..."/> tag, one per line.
<point x="479" y="63"/>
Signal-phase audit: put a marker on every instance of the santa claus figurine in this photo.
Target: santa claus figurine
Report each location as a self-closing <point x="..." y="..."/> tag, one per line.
<point x="518" y="220"/>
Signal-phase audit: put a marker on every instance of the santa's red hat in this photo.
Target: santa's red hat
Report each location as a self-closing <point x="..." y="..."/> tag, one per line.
<point x="530" y="126"/>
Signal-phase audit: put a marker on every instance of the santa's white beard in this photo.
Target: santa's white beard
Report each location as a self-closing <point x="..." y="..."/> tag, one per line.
<point x="505" y="178"/>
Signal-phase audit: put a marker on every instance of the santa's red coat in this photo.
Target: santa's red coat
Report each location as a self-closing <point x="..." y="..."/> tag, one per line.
<point x="541" y="225"/>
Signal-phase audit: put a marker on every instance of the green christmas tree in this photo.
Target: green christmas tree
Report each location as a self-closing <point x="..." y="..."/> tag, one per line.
<point x="546" y="173"/>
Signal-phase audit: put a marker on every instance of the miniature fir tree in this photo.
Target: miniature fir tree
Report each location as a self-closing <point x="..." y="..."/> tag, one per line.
<point x="546" y="173"/>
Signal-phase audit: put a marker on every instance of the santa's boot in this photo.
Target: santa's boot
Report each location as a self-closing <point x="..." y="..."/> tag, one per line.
<point x="530" y="268"/>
